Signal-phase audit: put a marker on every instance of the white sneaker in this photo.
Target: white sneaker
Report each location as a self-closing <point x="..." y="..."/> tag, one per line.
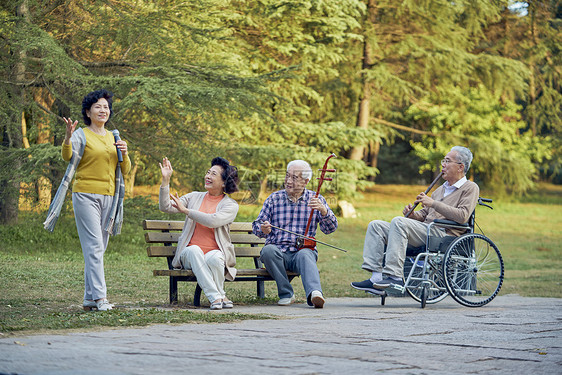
<point x="217" y="304"/>
<point x="286" y="301"/>
<point x="103" y="305"/>
<point x="317" y="299"/>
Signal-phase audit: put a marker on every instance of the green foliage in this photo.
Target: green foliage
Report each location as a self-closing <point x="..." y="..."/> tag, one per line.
<point x="139" y="208"/>
<point x="491" y="128"/>
<point x="313" y="143"/>
<point x="535" y="40"/>
<point x="263" y="82"/>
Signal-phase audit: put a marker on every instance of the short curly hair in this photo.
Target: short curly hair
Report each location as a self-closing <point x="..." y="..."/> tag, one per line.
<point x="92" y="98"/>
<point x="229" y="174"/>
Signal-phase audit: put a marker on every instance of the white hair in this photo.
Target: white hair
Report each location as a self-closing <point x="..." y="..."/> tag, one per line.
<point x="464" y="156"/>
<point x="303" y="167"/>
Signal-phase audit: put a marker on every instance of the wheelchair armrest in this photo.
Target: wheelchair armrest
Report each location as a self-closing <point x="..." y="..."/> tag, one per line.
<point x="444" y="222"/>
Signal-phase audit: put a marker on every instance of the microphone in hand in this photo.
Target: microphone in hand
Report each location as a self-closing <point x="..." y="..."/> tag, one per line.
<point x="117" y="138"/>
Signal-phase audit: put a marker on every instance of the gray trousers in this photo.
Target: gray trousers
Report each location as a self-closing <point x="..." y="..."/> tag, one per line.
<point x="396" y="236"/>
<point x="90" y="213"/>
<point x="303" y="262"/>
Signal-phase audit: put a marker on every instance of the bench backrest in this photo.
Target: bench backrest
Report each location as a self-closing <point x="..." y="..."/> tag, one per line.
<point x="164" y="235"/>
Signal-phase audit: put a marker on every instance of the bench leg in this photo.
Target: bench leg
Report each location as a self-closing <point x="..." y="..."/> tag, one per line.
<point x="260" y="285"/>
<point x="197" y="296"/>
<point x="173" y="290"/>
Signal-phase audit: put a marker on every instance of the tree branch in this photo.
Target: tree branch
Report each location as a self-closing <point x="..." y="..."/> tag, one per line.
<point x="402" y="127"/>
<point x="105" y="64"/>
<point x="48" y="111"/>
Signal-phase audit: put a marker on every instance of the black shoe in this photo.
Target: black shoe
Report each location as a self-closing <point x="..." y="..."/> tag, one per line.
<point x="367" y="286"/>
<point x="386" y="282"/>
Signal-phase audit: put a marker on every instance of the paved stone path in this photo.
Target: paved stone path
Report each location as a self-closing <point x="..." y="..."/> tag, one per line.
<point x="511" y="335"/>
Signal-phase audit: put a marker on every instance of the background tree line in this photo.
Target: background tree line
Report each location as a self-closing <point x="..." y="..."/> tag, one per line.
<point x="388" y="86"/>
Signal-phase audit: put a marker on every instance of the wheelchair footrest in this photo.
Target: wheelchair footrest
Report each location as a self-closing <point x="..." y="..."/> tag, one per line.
<point x="382" y="293"/>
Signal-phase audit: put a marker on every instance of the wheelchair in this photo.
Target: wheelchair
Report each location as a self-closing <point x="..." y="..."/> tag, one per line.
<point x="469" y="268"/>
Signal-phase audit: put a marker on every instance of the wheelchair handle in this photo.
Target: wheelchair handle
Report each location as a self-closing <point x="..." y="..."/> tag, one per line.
<point x="487" y="200"/>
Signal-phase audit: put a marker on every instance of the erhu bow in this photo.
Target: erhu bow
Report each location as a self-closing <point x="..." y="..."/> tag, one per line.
<point x="305" y="237"/>
<point x="304" y="241"/>
<point x="425" y="192"/>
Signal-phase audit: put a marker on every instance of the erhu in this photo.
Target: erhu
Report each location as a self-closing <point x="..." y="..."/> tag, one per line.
<point x="425" y="192"/>
<point x="310" y="242"/>
<point x="304" y="241"/>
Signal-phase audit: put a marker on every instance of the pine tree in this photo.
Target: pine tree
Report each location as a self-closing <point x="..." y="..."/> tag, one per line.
<point x="171" y="66"/>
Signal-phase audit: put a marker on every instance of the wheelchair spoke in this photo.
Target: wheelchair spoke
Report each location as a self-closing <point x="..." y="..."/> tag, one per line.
<point x="473" y="270"/>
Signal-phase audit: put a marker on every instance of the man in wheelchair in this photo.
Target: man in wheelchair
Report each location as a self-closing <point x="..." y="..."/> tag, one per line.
<point x="455" y="200"/>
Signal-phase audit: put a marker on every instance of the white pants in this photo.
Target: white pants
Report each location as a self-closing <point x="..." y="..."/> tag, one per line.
<point x="208" y="269"/>
<point x="395" y="236"/>
<point x="90" y="213"/>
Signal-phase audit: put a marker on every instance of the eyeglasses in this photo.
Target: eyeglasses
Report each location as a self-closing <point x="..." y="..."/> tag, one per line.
<point x="448" y="161"/>
<point x="293" y="177"/>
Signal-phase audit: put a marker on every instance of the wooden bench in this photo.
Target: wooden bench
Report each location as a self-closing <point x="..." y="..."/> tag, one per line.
<point x="162" y="237"/>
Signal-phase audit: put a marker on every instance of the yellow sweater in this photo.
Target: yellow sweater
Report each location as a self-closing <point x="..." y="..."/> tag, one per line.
<point x="96" y="172"/>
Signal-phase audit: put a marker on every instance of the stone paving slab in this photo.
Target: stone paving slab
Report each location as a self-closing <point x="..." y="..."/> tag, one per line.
<point x="511" y="335"/>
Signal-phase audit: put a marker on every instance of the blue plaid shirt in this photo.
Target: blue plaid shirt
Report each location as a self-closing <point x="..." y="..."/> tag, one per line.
<point x="280" y="211"/>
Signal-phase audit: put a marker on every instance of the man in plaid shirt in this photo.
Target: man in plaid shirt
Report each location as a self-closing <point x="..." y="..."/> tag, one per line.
<point x="289" y="209"/>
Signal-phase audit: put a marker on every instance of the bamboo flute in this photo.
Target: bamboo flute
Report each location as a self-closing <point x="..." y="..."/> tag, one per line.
<point x="425" y="192"/>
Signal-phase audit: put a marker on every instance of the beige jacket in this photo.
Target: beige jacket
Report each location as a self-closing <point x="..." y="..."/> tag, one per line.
<point x="220" y="221"/>
<point x="457" y="206"/>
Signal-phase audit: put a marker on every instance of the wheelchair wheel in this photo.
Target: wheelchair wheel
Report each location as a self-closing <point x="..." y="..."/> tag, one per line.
<point x="433" y="294"/>
<point x="473" y="270"/>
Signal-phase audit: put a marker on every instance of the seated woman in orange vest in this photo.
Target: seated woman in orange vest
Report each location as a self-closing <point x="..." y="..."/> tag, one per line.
<point x="204" y="245"/>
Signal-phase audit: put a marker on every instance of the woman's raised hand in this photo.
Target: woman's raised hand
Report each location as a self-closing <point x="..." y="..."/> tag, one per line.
<point x="166" y="168"/>
<point x="177" y="204"/>
<point x="70" y="127"/>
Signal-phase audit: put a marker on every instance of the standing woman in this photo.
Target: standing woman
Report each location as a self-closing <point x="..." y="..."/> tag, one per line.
<point x="97" y="192"/>
<point x="204" y="245"/>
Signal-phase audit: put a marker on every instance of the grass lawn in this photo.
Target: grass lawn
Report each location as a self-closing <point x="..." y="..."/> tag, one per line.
<point x="41" y="286"/>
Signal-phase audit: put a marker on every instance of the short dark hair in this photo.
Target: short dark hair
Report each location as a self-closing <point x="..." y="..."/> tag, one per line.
<point x="92" y="98"/>
<point x="229" y="174"/>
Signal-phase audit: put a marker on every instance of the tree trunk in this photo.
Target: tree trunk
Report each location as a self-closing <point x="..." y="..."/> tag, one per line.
<point x="358" y="152"/>
<point x="130" y="178"/>
<point x="532" y="84"/>
<point x="374" y="149"/>
<point x="43" y="97"/>
<point x="532" y="100"/>
<point x="10" y="189"/>
<point x="262" y="194"/>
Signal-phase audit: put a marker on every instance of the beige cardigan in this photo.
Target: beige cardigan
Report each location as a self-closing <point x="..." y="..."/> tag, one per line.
<point x="457" y="206"/>
<point x="220" y="221"/>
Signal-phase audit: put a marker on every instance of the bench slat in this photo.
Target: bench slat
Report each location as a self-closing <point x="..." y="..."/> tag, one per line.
<point x="162" y="225"/>
<point x="240" y="272"/>
<point x="237" y="238"/>
<point x="169" y="251"/>
<point x="177" y="225"/>
<point x="241" y="227"/>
